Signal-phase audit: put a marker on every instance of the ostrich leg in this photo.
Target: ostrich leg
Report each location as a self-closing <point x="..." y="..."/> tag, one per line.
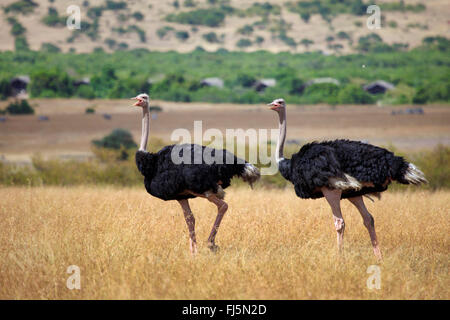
<point x="222" y="207"/>
<point x="190" y="220"/>
<point x="334" y="200"/>
<point x="358" y="202"/>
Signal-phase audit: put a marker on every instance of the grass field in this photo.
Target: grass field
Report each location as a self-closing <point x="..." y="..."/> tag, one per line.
<point x="273" y="246"/>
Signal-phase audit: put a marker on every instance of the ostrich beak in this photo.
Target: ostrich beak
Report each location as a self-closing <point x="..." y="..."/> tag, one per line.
<point x="137" y="103"/>
<point x="273" y="106"/>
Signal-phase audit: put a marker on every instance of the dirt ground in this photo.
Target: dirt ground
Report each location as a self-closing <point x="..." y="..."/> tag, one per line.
<point x="69" y="131"/>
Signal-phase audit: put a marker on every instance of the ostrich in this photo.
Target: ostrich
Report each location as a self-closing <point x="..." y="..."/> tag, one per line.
<point x="167" y="180"/>
<point x="342" y="169"/>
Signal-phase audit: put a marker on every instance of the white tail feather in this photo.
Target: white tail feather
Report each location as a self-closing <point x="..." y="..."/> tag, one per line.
<point x="250" y="174"/>
<point x="414" y="175"/>
<point x="346" y="183"/>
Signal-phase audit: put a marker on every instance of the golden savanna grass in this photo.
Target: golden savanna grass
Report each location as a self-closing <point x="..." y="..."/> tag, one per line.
<point x="129" y="245"/>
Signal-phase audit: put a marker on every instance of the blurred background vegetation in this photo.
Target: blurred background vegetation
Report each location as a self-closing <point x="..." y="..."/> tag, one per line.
<point x="421" y="75"/>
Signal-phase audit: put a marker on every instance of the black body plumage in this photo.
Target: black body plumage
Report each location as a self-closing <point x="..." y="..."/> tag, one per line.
<point x="312" y="167"/>
<point x="167" y="180"/>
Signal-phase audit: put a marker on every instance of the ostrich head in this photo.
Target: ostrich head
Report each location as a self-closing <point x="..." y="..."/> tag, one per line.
<point x="277" y="105"/>
<point x="142" y="100"/>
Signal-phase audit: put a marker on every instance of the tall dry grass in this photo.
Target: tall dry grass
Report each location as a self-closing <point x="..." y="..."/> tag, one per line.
<point x="273" y="246"/>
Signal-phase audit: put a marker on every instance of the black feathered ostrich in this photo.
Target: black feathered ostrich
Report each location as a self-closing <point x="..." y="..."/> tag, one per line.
<point x="168" y="180"/>
<point x="342" y="169"/>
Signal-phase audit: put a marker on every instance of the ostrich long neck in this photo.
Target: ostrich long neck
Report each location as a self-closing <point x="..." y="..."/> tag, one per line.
<point x="145" y="128"/>
<point x="282" y="137"/>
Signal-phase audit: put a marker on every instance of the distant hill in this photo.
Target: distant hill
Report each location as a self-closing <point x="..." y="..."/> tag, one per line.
<point x="330" y="26"/>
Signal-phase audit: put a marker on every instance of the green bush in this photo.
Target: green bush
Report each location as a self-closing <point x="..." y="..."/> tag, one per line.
<point x="5" y="88"/>
<point x="21" y="107"/>
<point x="21" y="44"/>
<point x="354" y="94"/>
<point x="211" y="37"/>
<point x="244" y="43"/>
<point x="246" y="30"/>
<point x="51" y="83"/>
<point x="89" y="110"/>
<point x="17" y="29"/>
<point x="50" y="48"/>
<point x="52" y="19"/>
<point x="400" y="6"/>
<point x="115" y="5"/>
<point x="163" y="31"/>
<point x="438" y="42"/>
<point x="22" y="7"/>
<point x="189" y="3"/>
<point x="321" y="92"/>
<point x="433" y="92"/>
<point x="118" y="139"/>
<point x="85" y="91"/>
<point x="209" y="17"/>
<point x="182" y="35"/>
<point x="138" y="16"/>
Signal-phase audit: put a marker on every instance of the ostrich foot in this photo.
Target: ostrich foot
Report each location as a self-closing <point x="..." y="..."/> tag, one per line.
<point x="193" y="248"/>
<point x="377" y="252"/>
<point x="213" y="247"/>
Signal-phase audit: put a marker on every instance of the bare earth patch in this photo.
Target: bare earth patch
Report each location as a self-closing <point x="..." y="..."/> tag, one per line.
<point x="69" y="131"/>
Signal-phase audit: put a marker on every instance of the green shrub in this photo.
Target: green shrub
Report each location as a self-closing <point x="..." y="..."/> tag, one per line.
<point x="246" y="30"/>
<point x="85" y="91"/>
<point x="21" y="107"/>
<point x="306" y="42"/>
<point x="400" y="6"/>
<point x="438" y="42"/>
<point x="209" y="17"/>
<point x="51" y="83"/>
<point x="111" y="43"/>
<point x="189" y="3"/>
<point x="22" y="7"/>
<point x="182" y="35"/>
<point x="433" y="92"/>
<point x="354" y="94"/>
<point x="244" y="43"/>
<point x="122" y="46"/>
<point x="259" y="40"/>
<point x="117" y="139"/>
<point x="245" y="80"/>
<point x="21" y="44"/>
<point x="343" y="35"/>
<point x="89" y="110"/>
<point x="211" y="37"/>
<point x="138" y="16"/>
<point x="163" y="31"/>
<point x="321" y="92"/>
<point x="50" y="48"/>
<point x="5" y="88"/>
<point x="17" y="29"/>
<point x="115" y="5"/>
<point x="52" y="19"/>
<point x="263" y="9"/>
